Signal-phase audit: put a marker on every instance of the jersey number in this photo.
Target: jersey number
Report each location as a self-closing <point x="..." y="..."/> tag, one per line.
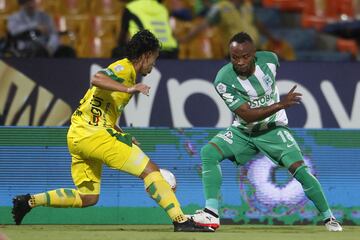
<point x="286" y="137"/>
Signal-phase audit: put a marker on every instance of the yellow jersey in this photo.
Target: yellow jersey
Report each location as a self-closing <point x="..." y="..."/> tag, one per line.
<point x="101" y="108"/>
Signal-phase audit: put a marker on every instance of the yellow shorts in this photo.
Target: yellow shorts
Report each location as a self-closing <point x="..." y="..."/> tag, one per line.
<point x="106" y="146"/>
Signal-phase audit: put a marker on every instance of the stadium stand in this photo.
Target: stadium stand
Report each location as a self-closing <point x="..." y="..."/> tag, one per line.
<point x="308" y="18"/>
<point x="106" y="7"/>
<point x="207" y="45"/>
<point x="75" y="32"/>
<point x="313" y="28"/>
<point x="8" y="6"/>
<point x="105" y="29"/>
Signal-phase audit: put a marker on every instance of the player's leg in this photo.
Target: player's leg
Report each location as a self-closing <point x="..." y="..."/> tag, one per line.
<point x="160" y="191"/>
<point x="315" y="193"/>
<point x="282" y="148"/>
<point x="131" y="159"/>
<point x="86" y="175"/>
<point x="61" y="197"/>
<point x="211" y="156"/>
<point x="226" y="144"/>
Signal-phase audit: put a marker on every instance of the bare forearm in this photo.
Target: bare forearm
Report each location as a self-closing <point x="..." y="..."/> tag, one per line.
<point x="118" y="128"/>
<point x="258" y="114"/>
<point x="106" y="83"/>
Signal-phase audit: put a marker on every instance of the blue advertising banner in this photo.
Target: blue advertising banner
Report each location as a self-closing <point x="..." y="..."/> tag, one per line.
<point x="45" y="92"/>
<point x="34" y="160"/>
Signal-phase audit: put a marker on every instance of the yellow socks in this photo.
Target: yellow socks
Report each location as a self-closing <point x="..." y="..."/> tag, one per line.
<point x="156" y="185"/>
<point x="162" y="193"/>
<point x="57" y="198"/>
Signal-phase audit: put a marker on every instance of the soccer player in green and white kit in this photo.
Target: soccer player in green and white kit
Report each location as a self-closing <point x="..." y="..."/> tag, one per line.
<point x="247" y="86"/>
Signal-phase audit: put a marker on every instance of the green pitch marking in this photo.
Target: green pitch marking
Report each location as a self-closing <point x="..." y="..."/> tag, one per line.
<point x="165" y="232"/>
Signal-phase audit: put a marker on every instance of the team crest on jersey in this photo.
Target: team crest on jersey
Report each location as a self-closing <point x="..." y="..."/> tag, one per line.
<point x="227" y="137"/>
<point x="267" y="79"/>
<point x="119" y="68"/>
<point x="229" y="134"/>
<point x="221" y="88"/>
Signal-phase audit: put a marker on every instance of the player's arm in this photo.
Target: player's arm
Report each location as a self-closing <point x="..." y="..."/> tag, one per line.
<point x="102" y="81"/>
<point x="257" y="114"/>
<point x="118" y="128"/>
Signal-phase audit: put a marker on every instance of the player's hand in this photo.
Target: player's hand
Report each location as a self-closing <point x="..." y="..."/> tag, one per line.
<point x="140" y="87"/>
<point x="135" y="141"/>
<point x="291" y="98"/>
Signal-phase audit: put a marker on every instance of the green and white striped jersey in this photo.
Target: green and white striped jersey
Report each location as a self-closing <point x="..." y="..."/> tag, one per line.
<point x="258" y="90"/>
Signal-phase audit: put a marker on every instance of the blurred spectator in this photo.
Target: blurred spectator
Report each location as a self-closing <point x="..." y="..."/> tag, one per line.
<point x="234" y="16"/>
<point x="180" y="9"/>
<point x="33" y="33"/>
<point x="151" y="15"/>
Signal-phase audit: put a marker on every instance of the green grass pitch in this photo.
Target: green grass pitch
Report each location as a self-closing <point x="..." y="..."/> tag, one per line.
<point x="165" y="232"/>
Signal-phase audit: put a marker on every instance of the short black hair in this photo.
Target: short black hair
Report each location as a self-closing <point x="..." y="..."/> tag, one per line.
<point x="241" y="37"/>
<point x="142" y="42"/>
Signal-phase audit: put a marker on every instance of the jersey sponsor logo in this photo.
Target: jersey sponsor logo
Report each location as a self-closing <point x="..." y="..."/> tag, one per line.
<point x="261" y="101"/>
<point x="227" y="137"/>
<point x="221" y="88"/>
<point x="107" y="108"/>
<point x="96" y="103"/>
<point x="119" y="68"/>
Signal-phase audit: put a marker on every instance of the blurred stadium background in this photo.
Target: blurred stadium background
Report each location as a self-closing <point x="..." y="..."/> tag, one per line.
<point x="38" y="96"/>
<point x="326" y="30"/>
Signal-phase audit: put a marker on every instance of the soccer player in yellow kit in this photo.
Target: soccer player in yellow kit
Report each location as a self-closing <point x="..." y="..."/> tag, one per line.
<point x="94" y="139"/>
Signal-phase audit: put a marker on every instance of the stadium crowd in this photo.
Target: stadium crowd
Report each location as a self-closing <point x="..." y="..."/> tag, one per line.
<point x="188" y="29"/>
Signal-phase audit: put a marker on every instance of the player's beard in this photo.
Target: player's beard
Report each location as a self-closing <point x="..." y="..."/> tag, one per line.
<point x="246" y="71"/>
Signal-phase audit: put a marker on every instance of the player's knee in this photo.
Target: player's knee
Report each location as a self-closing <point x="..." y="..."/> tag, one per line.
<point x="293" y="168"/>
<point x="150" y="167"/>
<point x="300" y="171"/>
<point x="89" y="200"/>
<point x="210" y="155"/>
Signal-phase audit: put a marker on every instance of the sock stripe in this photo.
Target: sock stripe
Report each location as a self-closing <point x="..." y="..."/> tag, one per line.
<point x="160" y="191"/>
<point x="47" y="199"/>
<point x="170" y="206"/>
<point x="152" y="189"/>
<point x="69" y="193"/>
<point x="157" y="198"/>
<point x="59" y="193"/>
